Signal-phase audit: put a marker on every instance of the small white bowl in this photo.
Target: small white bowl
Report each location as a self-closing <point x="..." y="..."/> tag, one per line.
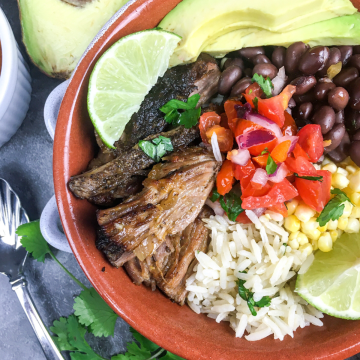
<point x="15" y="88"/>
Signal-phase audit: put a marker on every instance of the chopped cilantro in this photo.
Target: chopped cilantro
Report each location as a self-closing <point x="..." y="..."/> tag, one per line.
<point x="231" y="203"/>
<point x="188" y="117"/>
<point x="270" y="165"/>
<point x="156" y="148"/>
<point x="265" y="151"/>
<point x="313" y="178"/>
<point x="265" y="84"/>
<point x="334" y="208"/>
<point x="256" y="102"/>
<point x="215" y="195"/>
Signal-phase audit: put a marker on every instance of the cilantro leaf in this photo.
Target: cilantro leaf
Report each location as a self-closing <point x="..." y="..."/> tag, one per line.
<point x="143" y="341"/>
<point x="33" y="241"/>
<point x="334" y="208"/>
<point x="270" y="165"/>
<point x="175" y="104"/>
<point x="94" y="312"/>
<point x="215" y="195"/>
<point x="313" y="178"/>
<point x="265" y="151"/>
<point x="156" y="148"/>
<point x="263" y="302"/>
<point x="265" y="84"/>
<point x="172" y="117"/>
<point x="148" y="148"/>
<point x="231" y="203"/>
<point x="256" y="103"/>
<point x="59" y="328"/>
<point x="190" y="118"/>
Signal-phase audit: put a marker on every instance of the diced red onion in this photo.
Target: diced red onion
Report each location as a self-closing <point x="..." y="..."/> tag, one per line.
<point x="280" y="174"/>
<point x="253" y="138"/>
<point x="218" y="210"/>
<point x="279" y="81"/>
<point x="265" y="123"/>
<point x="260" y="177"/>
<point x="243" y="110"/>
<point x="215" y="147"/>
<point x="239" y="157"/>
<point x="258" y="212"/>
<point x="293" y="139"/>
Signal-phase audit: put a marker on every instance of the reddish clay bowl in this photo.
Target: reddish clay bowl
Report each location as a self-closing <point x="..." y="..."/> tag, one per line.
<point x="178" y="329"/>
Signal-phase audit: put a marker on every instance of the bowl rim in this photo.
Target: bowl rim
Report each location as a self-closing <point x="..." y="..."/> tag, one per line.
<point x="167" y="338"/>
<point x="8" y="76"/>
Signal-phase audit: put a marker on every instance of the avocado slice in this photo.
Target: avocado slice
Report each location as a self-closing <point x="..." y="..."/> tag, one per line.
<point x="57" y="32"/>
<point x="343" y="30"/>
<point x="201" y="22"/>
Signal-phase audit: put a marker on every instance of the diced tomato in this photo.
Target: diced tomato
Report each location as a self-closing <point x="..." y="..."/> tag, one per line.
<point x="261" y="160"/>
<point x="225" y="178"/>
<point x="252" y="92"/>
<point x="225" y="137"/>
<point x="311" y="140"/>
<point x="315" y="194"/>
<point x="280" y="152"/>
<point x="231" y="113"/>
<point x="301" y="166"/>
<point x="279" y="193"/>
<point x="251" y="191"/>
<point x="258" y="149"/>
<point x="289" y="127"/>
<point x="207" y="120"/>
<point x="244" y="126"/>
<point x="280" y="209"/>
<point x="299" y="151"/>
<point x="244" y="173"/>
<point x="224" y="121"/>
<point x="274" y="107"/>
<point x="243" y="219"/>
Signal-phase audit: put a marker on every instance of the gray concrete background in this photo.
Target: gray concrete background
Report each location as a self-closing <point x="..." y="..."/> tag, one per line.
<point x="26" y="163"/>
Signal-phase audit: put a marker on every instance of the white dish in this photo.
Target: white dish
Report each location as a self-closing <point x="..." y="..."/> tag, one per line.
<point x="15" y="88"/>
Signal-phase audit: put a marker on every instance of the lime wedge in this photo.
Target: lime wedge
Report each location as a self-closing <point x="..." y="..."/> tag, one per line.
<point x="332" y="283"/>
<point x="123" y="76"/>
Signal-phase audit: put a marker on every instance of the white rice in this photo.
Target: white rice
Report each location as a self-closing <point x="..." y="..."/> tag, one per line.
<point x="270" y="268"/>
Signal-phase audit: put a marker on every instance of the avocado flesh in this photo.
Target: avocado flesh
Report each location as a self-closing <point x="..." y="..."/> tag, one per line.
<point x="57" y="32"/>
<point x="343" y="30"/>
<point x="201" y="22"/>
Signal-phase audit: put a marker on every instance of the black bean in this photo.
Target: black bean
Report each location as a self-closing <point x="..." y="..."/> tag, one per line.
<point x="228" y="78"/>
<point x="236" y="61"/>
<point x="278" y="57"/>
<point x="293" y="55"/>
<point x="346" y="52"/>
<point x="304" y="84"/>
<point x="325" y="117"/>
<point x="355" y="152"/>
<point x="322" y="89"/>
<point x="342" y="151"/>
<point x="355" y="95"/>
<point x="265" y="70"/>
<point x="314" y="60"/>
<point x="334" y="58"/>
<point x="338" y="98"/>
<point x="240" y="86"/>
<point x="354" y="61"/>
<point x="250" y="52"/>
<point x="308" y="97"/>
<point x="248" y="72"/>
<point x="305" y="110"/>
<point x="356" y="136"/>
<point x="340" y="117"/>
<point x="352" y="119"/>
<point x="346" y="76"/>
<point x="335" y="135"/>
<point x="260" y="59"/>
<point x="356" y="49"/>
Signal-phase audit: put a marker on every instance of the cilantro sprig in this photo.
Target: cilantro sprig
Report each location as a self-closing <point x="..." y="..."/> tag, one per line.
<point x="188" y="117"/>
<point x="157" y="147"/>
<point x="265" y="84"/>
<point x="270" y="165"/>
<point x="313" y="178"/>
<point x="334" y="208"/>
<point x="231" y="203"/>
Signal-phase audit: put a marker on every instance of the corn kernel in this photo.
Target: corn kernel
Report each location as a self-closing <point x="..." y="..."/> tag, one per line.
<point x="342" y="171"/>
<point x="307" y="248"/>
<point x="355" y="198"/>
<point x="315" y="245"/>
<point x="317" y="167"/>
<point x="326" y="161"/>
<point x="314" y="235"/>
<point x="334" y="235"/>
<point x="330" y="167"/>
<point x="348" y="191"/>
<point x="342" y="223"/>
<point x="293" y="244"/>
<point x="340" y="232"/>
<point x="339" y="181"/>
<point x="294" y="235"/>
<point x="350" y="169"/>
<point x="348" y="161"/>
<point x="354" y="183"/>
<point x="323" y="228"/>
<point x="347" y="210"/>
<point x="325" y="242"/>
<point x="292" y="223"/>
<point x="353" y="226"/>
<point x="355" y="213"/>
<point x="310" y="225"/>
<point x="304" y="213"/>
<point x="302" y="239"/>
<point x="291" y="206"/>
<point x="332" y="225"/>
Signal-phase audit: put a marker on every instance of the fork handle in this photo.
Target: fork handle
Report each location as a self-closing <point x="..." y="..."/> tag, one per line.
<point x="50" y="349"/>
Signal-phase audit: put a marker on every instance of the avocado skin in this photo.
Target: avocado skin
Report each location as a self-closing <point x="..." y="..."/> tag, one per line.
<point x="57" y="32"/>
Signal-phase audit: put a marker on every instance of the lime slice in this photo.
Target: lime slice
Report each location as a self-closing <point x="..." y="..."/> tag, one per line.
<point x="123" y="76"/>
<point x="332" y="283"/>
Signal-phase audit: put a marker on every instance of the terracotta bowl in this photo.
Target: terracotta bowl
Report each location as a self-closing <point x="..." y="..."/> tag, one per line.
<point x="178" y="329"/>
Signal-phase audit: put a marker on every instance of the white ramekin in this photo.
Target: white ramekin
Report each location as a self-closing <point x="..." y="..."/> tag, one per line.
<point x="15" y="88"/>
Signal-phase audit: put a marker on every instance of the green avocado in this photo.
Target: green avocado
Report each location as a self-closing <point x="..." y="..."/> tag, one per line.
<point x="343" y="30"/>
<point x="57" y="32"/>
<point x="201" y="22"/>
